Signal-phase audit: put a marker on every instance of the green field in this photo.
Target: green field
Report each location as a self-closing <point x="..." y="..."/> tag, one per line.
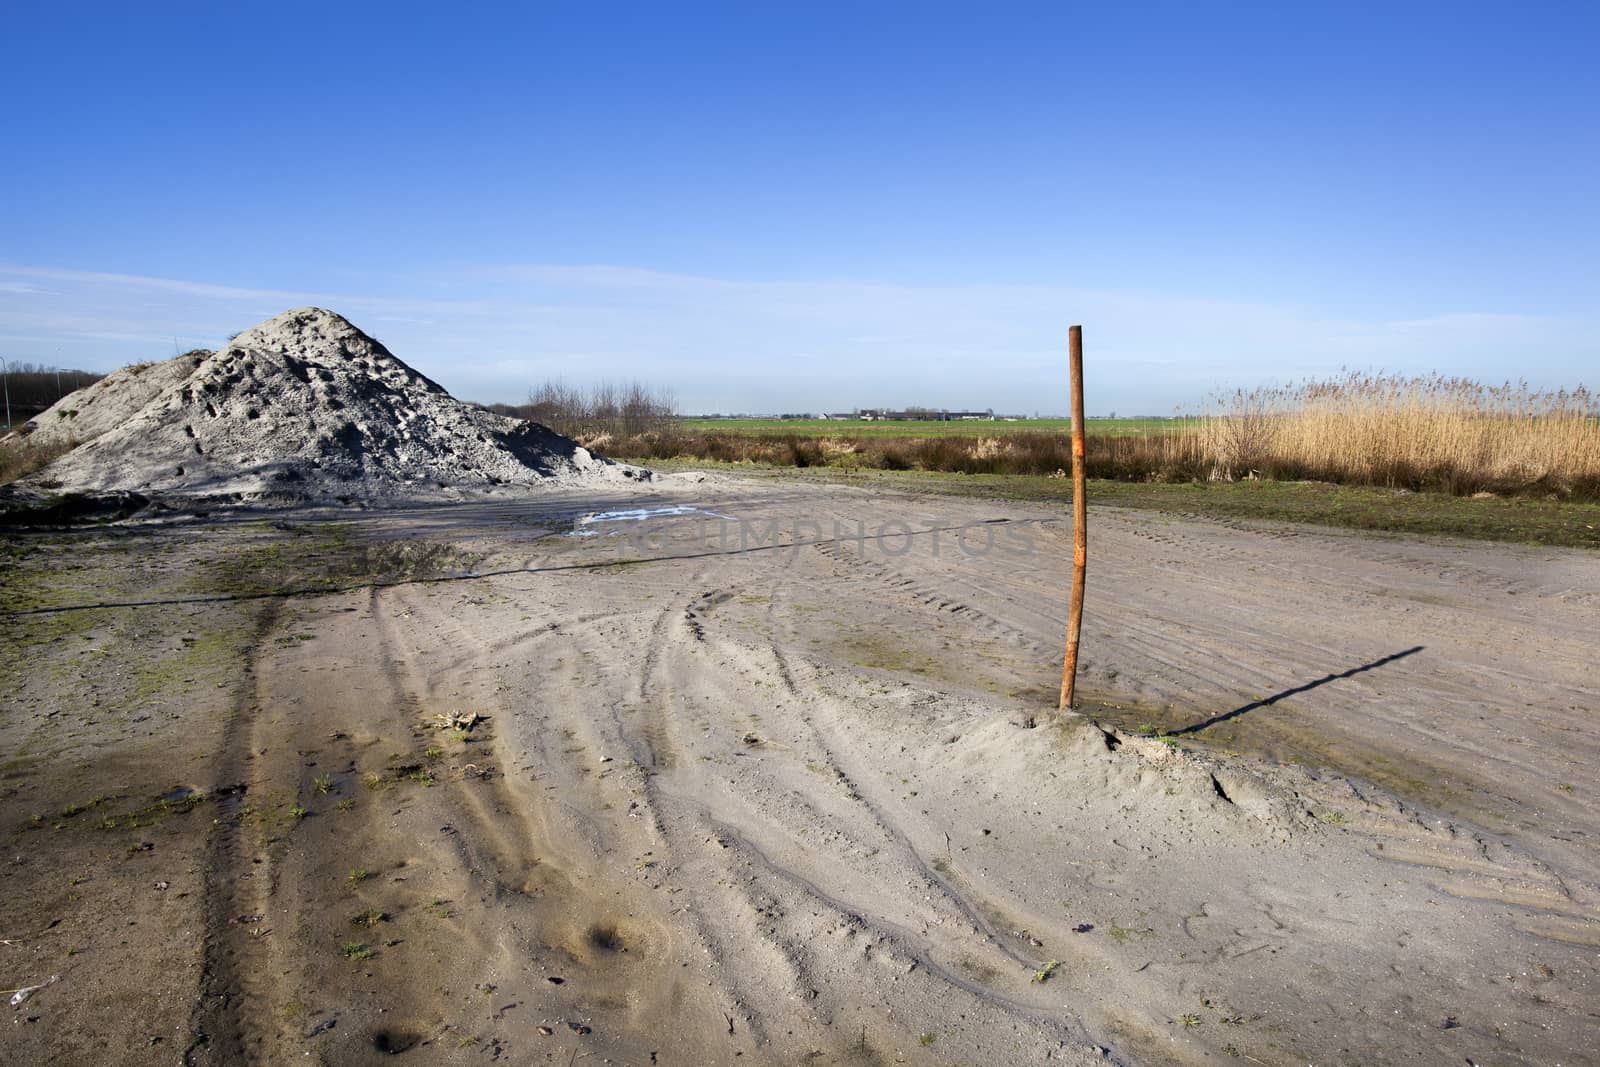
<point x="918" y="428"/>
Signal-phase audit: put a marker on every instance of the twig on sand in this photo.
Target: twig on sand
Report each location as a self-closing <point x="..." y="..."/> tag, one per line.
<point x="24" y="937"/>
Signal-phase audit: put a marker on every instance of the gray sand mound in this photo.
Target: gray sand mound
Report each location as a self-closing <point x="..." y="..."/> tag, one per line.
<point x="303" y="405"/>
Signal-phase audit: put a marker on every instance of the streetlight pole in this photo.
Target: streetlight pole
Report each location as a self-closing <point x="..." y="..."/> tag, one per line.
<point x="7" y="378"/>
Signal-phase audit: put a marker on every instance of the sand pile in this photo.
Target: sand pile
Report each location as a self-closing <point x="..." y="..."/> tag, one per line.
<point x="306" y="406"/>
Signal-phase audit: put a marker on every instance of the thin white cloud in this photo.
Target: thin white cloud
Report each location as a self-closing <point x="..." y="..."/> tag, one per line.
<point x="740" y="344"/>
<point x="134" y="281"/>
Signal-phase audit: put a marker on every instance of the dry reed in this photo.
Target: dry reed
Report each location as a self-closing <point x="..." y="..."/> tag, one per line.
<point x="19" y="457"/>
<point x="1417" y="433"/>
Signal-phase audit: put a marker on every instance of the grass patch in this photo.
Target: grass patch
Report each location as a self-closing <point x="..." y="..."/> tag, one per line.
<point x="151" y="814"/>
<point x="1515" y="520"/>
<point x="355" y="950"/>
<point x="167" y="675"/>
<point x="329" y="556"/>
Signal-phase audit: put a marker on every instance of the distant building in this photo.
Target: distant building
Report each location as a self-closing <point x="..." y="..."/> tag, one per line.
<point x="911" y="415"/>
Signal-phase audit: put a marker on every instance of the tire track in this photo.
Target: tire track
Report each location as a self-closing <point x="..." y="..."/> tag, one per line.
<point x="228" y="1025"/>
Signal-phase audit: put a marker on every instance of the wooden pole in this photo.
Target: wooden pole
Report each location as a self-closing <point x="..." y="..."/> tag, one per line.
<point x="1080" y="520"/>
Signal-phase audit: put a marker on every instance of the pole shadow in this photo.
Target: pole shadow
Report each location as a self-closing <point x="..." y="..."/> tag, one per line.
<point x="1274" y="698"/>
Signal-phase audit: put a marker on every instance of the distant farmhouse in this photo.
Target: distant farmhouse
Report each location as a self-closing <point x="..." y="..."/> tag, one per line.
<point x="883" y="415"/>
<point x="917" y="415"/>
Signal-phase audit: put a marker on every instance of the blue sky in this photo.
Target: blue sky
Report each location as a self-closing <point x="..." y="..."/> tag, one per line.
<point x="795" y="207"/>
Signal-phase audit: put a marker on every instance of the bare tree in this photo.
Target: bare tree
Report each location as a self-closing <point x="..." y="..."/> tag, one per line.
<point x="604" y="410"/>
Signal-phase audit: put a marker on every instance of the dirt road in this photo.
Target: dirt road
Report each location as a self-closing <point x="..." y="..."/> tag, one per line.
<point x="751" y="782"/>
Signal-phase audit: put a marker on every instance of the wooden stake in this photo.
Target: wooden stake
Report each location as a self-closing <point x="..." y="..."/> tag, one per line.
<point x="1080" y="520"/>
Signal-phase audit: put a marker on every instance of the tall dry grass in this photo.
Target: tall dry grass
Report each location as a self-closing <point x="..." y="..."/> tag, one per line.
<point x="1430" y="432"/>
<point x="19" y="457"/>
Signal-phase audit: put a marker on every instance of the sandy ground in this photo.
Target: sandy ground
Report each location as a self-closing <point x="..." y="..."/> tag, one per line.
<point x="735" y="800"/>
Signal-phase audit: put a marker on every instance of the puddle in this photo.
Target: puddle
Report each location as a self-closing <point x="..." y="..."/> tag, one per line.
<point x="581" y="523"/>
